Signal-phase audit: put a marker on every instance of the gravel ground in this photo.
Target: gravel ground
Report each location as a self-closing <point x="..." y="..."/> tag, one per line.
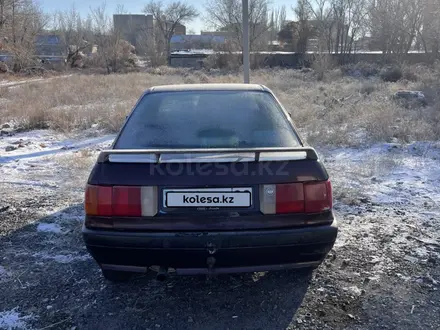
<point x="383" y="273"/>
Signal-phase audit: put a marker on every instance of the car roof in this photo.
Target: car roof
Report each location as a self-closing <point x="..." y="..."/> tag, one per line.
<point x="208" y="87"/>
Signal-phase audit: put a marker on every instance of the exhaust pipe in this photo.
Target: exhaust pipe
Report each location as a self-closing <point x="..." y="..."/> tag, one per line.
<point x="162" y="274"/>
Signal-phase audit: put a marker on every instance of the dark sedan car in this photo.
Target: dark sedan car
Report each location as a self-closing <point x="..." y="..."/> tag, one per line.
<point x="208" y="179"/>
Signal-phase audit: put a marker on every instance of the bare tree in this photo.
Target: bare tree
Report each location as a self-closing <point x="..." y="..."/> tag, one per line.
<point x="167" y="18"/>
<point x="281" y="18"/>
<point x="120" y="10"/>
<point x="349" y="22"/>
<point x="150" y="41"/>
<point x="430" y="33"/>
<point x="394" y="24"/>
<point x="21" y="21"/>
<point x="323" y="22"/>
<point x="113" y="51"/>
<point x="104" y="36"/>
<point x="4" y="11"/>
<point x="302" y="29"/>
<point x="226" y="15"/>
<point x="339" y="12"/>
<point x="356" y="19"/>
<point x="277" y="21"/>
<point x="336" y="23"/>
<point x="77" y="33"/>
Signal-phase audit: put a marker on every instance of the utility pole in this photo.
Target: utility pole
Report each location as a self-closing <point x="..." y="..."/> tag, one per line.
<point x="246" y="55"/>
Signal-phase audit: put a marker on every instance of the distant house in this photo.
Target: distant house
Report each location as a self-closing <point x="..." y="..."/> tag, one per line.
<point x="258" y="33"/>
<point x="218" y="33"/>
<point x="49" y="45"/>
<point x="180" y="29"/>
<point x="134" y="28"/>
<point x="366" y="44"/>
<point x="181" y="42"/>
<point x="140" y="29"/>
<point x="289" y="35"/>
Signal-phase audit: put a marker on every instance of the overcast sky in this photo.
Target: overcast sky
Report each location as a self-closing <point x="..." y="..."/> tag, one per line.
<point x="136" y="6"/>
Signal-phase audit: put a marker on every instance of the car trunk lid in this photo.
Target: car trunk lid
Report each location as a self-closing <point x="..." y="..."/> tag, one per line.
<point x="202" y="184"/>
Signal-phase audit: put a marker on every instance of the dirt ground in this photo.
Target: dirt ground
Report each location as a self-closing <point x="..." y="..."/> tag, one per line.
<point x="383" y="273"/>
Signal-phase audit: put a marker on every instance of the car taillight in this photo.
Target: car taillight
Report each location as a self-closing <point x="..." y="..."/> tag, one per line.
<point x="120" y="201"/>
<point x="318" y="197"/>
<point x="290" y="198"/>
<point x="127" y="201"/>
<point x="314" y="197"/>
<point x="98" y="200"/>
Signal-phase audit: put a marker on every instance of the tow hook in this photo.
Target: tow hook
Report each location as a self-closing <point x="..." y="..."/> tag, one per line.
<point x="210" y="262"/>
<point x="162" y="274"/>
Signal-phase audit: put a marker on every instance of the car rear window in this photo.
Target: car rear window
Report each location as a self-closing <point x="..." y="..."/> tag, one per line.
<point x="207" y="119"/>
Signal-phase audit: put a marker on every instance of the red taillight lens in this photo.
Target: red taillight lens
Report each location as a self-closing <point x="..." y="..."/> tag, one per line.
<point x="314" y="197"/>
<point x="318" y="197"/>
<point x="289" y="198"/>
<point x="98" y="200"/>
<point x="127" y="201"/>
<point x="120" y="201"/>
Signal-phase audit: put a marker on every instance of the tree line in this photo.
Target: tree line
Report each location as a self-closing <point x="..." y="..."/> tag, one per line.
<point x="337" y="26"/>
<point x="344" y="26"/>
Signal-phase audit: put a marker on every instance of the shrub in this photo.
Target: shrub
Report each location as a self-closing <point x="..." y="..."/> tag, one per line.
<point x="4" y="67"/>
<point x="367" y="88"/>
<point x="391" y="74"/>
<point x="410" y="75"/>
<point x="222" y="61"/>
<point x="321" y="64"/>
<point x="114" y="56"/>
<point x="202" y="77"/>
<point x="361" y="69"/>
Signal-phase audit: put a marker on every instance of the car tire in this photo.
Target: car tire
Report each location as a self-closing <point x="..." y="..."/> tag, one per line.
<point x="115" y="276"/>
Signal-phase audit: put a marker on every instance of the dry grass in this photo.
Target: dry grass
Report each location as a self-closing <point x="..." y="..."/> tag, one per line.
<point x="79" y="101"/>
<point x="338" y="110"/>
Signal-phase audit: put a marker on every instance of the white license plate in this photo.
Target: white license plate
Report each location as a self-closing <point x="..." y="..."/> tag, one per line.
<point x="207" y="198"/>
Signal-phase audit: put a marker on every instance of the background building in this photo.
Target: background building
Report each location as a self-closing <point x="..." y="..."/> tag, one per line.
<point x="141" y="30"/>
<point x="181" y="42"/>
<point x="218" y="33"/>
<point x="49" y="45"/>
<point x="136" y="29"/>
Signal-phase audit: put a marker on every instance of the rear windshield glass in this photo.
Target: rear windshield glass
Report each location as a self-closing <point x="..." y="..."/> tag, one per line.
<point x="207" y="119"/>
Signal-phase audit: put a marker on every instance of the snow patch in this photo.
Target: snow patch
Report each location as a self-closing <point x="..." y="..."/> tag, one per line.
<point x="3" y="273"/>
<point x="6" y="83"/>
<point x="49" y="228"/>
<point x="10" y="84"/>
<point x="35" y="164"/>
<point x="68" y="258"/>
<point x="421" y="252"/>
<point x="14" y="320"/>
<point x="62" y="258"/>
<point x="387" y="173"/>
<point x="354" y="290"/>
<point x="72" y="217"/>
<point x="41" y="143"/>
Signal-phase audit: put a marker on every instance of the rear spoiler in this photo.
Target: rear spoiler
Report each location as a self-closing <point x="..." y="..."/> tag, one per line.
<point x="206" y="155"/>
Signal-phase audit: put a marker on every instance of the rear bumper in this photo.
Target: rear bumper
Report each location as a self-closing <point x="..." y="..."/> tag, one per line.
<point x="191" y="252"/>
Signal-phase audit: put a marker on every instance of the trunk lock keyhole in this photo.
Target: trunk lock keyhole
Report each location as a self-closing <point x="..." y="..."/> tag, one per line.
<point x="211" y="248"/>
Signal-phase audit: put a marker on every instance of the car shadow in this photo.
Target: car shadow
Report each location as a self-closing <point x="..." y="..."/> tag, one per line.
<point x="50" y="277"/>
